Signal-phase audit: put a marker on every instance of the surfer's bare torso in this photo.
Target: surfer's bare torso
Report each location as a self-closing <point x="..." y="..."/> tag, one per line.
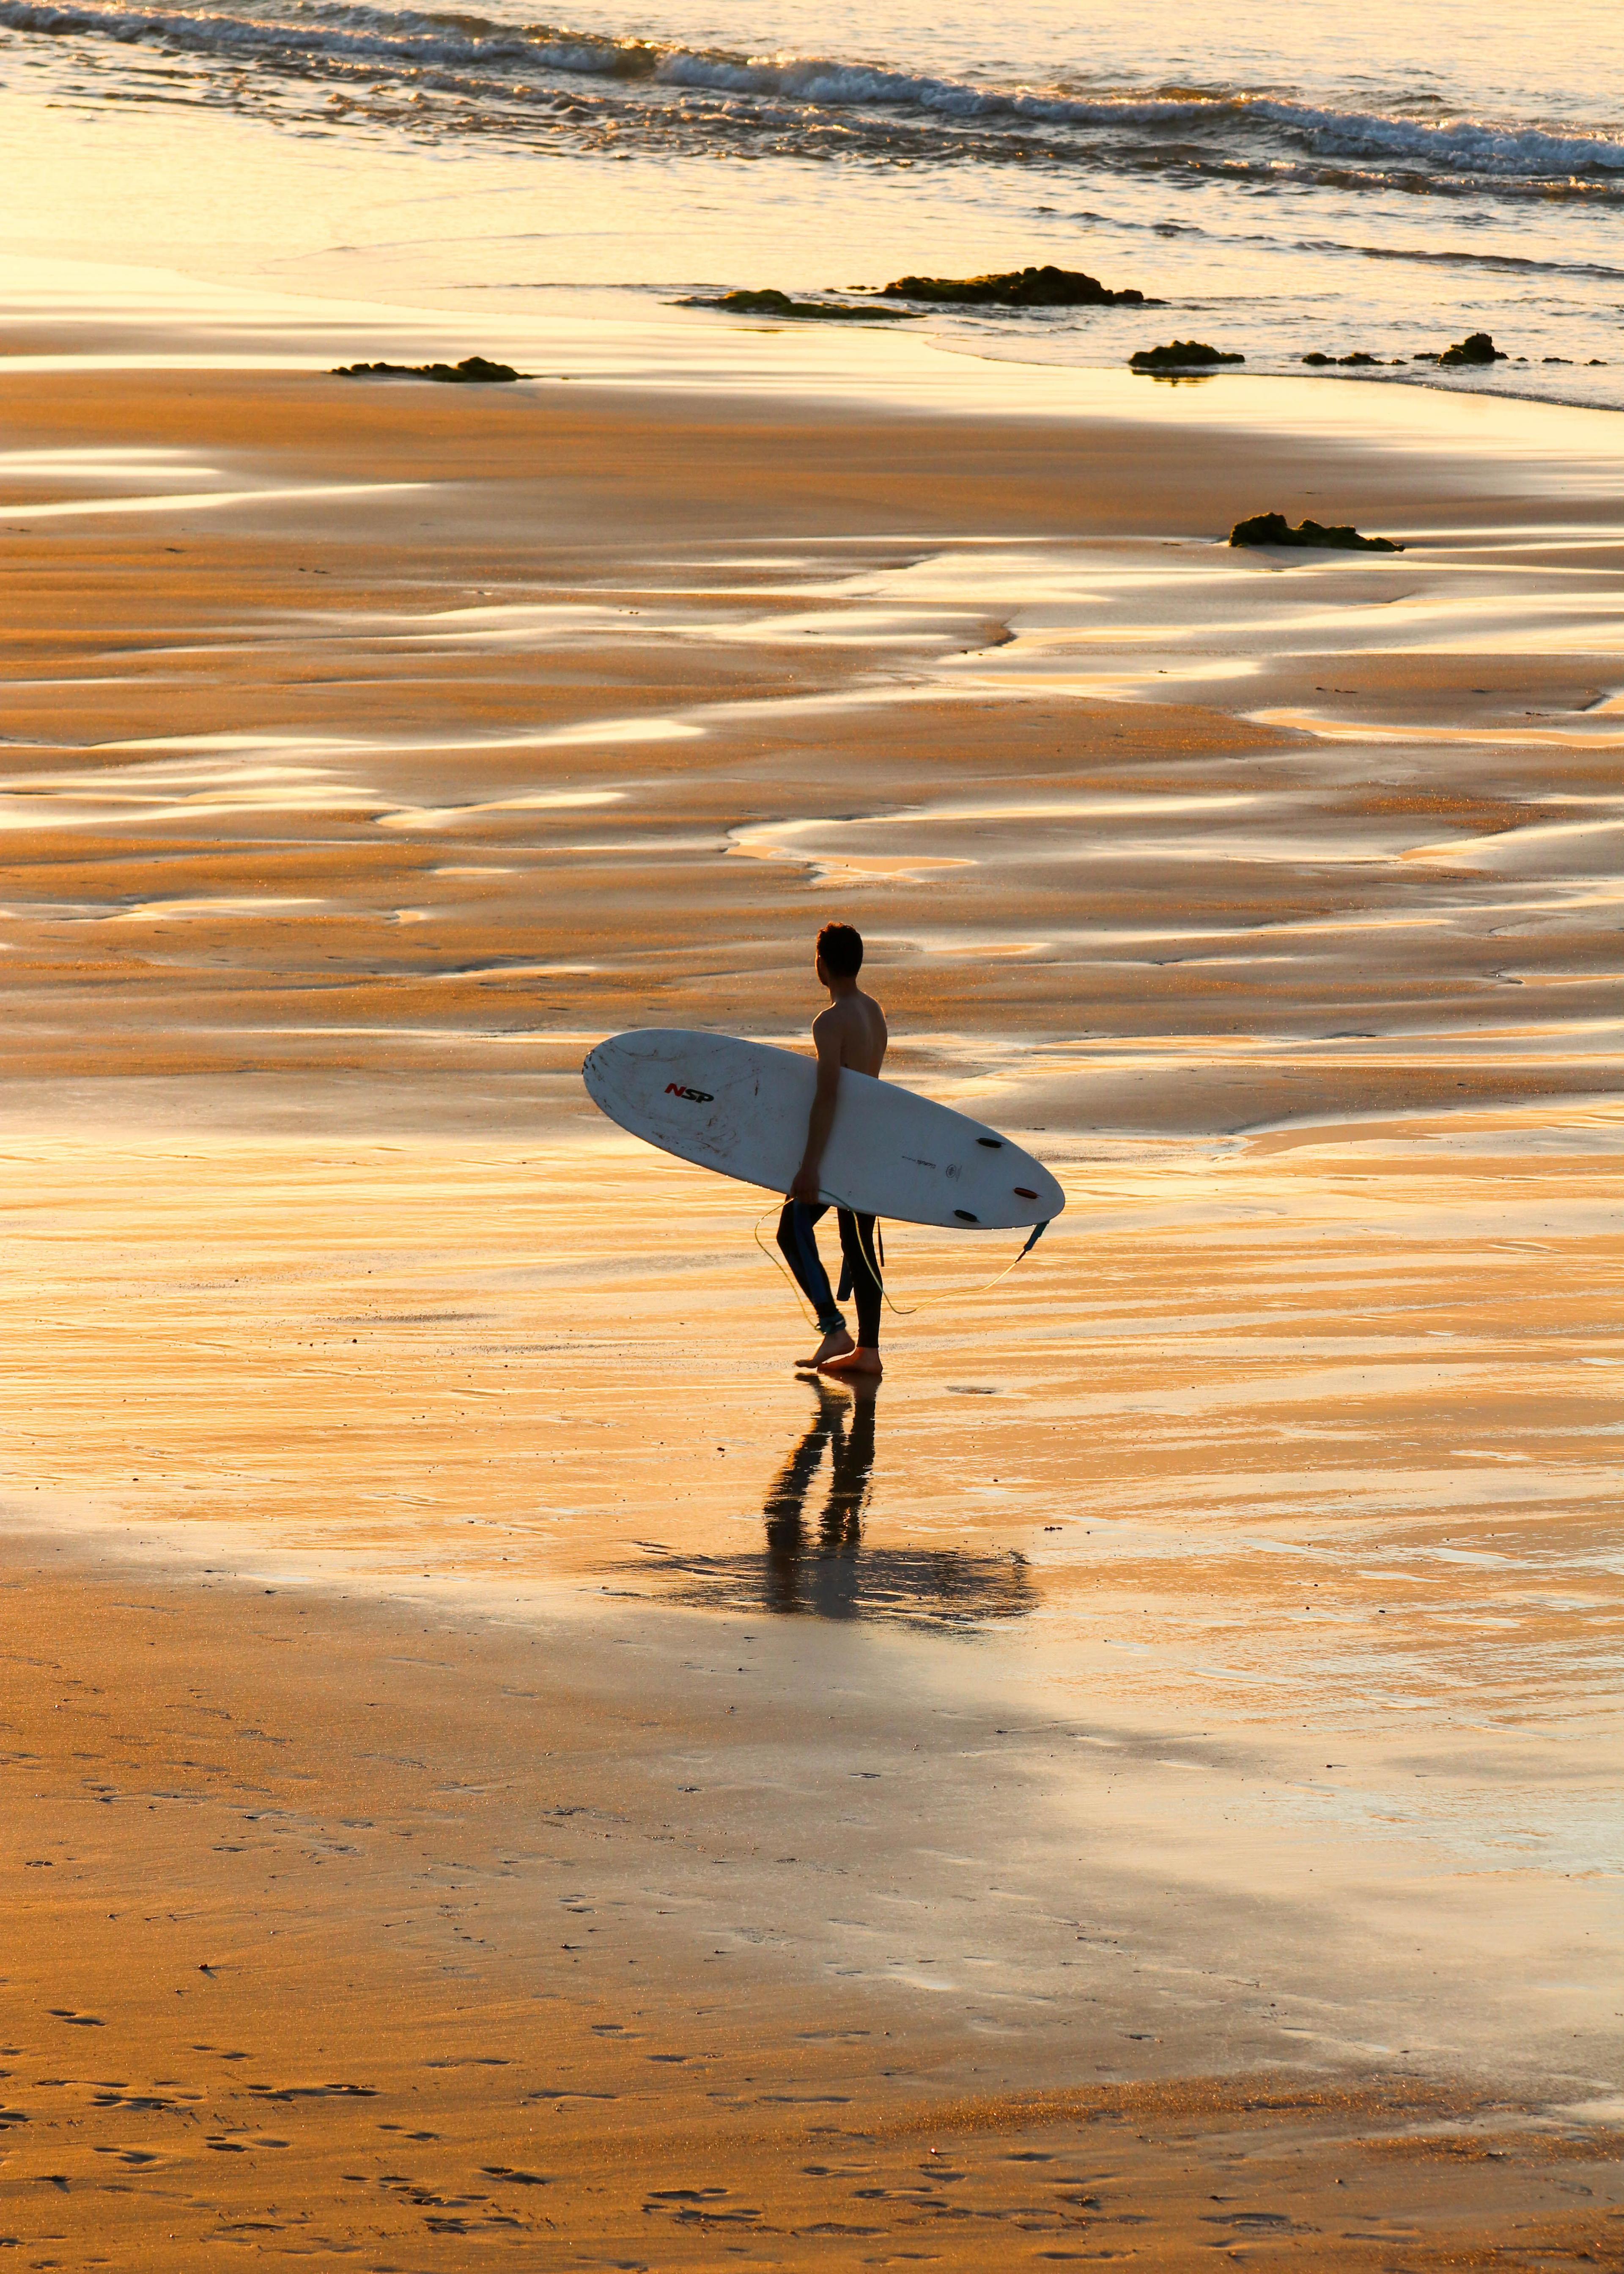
<point x="851" y="1032"/>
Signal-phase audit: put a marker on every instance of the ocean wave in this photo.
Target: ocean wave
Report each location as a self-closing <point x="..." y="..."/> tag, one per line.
<point x="1456" y="145"/>
<point x="1506" y="264"/>
<point x="1283" y="240"/>
<point x="1148" y="127"/>
<point x="236" y="35"/>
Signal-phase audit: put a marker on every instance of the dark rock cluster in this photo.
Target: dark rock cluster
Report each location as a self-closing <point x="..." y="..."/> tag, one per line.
<point x="1017" y="288"/>
<point x="771" y="302"/>
<point x="1274" y="529"/>
<point x="473" y="370"/>
<point x="1476" y="347"/>
<point x="1360" y="359"/>
<point x="1180" y="355"/>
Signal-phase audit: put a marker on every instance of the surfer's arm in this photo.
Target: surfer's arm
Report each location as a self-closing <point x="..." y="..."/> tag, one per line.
<point x="821" y="1121"/>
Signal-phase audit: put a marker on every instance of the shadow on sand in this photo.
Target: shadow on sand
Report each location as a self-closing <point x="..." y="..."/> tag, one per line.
<point x="830" y="1572"/>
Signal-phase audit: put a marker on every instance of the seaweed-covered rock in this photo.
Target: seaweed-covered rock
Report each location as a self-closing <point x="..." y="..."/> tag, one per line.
<point x="473" y="370"/>
<point x="1274" y="529"/>
<point x="1017" y="288"/>
<point x="771" y="303"/>
<point x="1358" y="359"/>
<point x="1180" y="355"/>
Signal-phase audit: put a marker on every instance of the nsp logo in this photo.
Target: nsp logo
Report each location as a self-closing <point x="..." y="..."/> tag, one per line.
<point x="696" y="1096"/>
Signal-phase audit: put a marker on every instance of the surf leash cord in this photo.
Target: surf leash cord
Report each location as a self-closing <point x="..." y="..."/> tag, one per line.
<point x="876" y="1266"/>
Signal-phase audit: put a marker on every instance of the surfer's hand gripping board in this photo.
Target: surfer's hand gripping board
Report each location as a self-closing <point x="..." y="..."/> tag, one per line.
<point x="740" y="1108"/>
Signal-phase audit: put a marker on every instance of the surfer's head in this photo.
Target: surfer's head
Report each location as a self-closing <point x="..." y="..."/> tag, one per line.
<point x="840" y="952"/>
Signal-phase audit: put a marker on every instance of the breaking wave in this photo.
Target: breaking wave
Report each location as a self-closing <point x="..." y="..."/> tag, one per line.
<point x="702" y="90"/>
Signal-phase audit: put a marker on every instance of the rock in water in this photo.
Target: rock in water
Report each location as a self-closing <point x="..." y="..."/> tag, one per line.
<point x="1017" y="288"/>
<point x="1477" y="347"/>
<point x="1180" y="355"/>
<point x="771" y="303"/>
<point x="473" y="370"/>
<point x="1274" y="529"/>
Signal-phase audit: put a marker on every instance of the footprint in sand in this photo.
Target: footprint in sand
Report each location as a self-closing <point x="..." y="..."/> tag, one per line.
<point x="146" y="2101"/>
<point x="77" y="2021"/>
<point x="287" y="2092"/>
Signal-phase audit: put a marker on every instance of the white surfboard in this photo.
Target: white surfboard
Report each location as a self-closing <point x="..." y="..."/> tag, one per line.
<point x="740" y="1108"/>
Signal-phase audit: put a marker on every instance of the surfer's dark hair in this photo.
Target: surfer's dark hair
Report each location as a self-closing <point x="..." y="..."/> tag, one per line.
<point x="840" y="946"/>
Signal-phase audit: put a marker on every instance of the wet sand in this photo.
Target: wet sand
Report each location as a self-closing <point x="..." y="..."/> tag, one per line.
<point x="532" y="1985"/>
<point x="1192" y="1680"/>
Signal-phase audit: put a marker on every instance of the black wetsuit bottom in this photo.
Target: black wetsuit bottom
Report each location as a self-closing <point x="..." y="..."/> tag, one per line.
<point x="860" y="1274"/>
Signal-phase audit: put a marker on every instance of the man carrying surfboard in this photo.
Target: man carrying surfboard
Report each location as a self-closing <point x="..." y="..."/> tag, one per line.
<point x="850" y="1033"/>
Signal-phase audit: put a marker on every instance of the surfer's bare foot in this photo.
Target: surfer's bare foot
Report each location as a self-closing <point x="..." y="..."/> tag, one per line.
<point x="856" y="1361"/>
<point x="835" y="1344"/>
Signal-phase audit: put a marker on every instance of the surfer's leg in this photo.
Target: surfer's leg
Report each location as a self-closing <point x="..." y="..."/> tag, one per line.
<point x="857" y="1247"/>
<point x="798" y="1246"/>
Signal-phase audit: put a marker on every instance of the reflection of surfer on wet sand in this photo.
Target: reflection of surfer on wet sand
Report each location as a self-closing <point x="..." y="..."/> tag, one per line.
<point x="846" y="1431"/>
<point x="829" y="1570"/>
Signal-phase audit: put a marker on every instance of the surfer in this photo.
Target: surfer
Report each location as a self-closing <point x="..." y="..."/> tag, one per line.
<point x="850" y="1033"/>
